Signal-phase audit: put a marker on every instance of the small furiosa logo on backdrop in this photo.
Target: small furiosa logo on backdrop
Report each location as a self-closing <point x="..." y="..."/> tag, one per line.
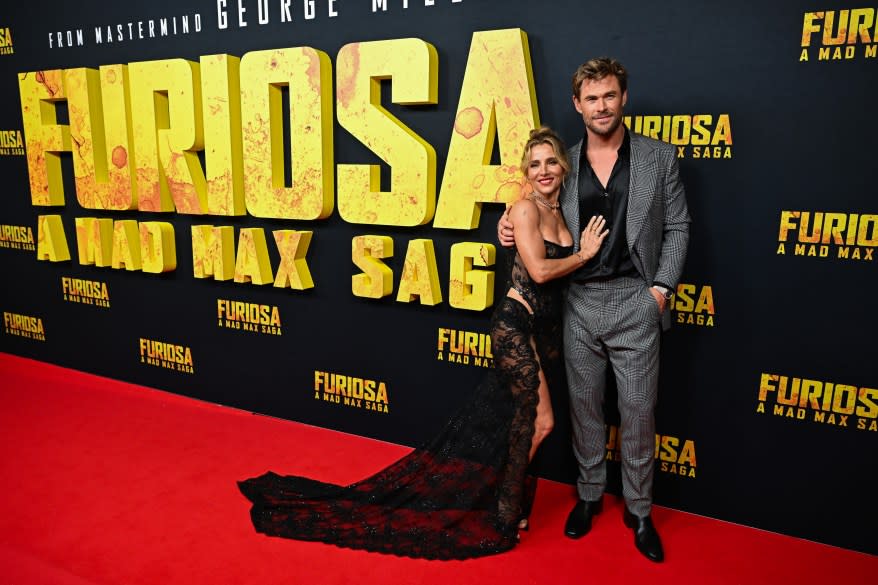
<point x="85" y="292"/>
<point x="24" y="326"/>
<point x="11" y="143"/>
<point x="166" y="355"/>
<point x="6" y="41"/>
<point x="827" y="403"/>
<point x="839" y="35"/>
<point x="834" y="236"/>
<point x="248" y="317"/>
<point x="672" y="455"/>
<point x="465" y="347"/>
<point x="17" y="237"/>
<point x="351" y="391"/>
<point x="695" y="136"/>
<point x="693" y="305"/>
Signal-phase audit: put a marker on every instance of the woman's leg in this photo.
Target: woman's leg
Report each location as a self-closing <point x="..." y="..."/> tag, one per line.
<point x="545" y="420"/>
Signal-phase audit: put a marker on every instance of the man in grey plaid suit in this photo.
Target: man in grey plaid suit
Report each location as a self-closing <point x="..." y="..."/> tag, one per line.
<point x="616" y="302"/>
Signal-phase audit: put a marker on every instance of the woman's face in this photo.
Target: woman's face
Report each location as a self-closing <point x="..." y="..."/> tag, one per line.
<point x="544" y="171"/>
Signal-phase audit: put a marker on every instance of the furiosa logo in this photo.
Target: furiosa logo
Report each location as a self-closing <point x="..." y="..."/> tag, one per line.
<point x="693" y="305"/>
<point x="24" y="326"/>
<point x="694" y="135"/>
<point x="843" y="236"/>
<point x="351" y="391"/>
<point x="839" y="34"/>
<point x="6" y="41"/>
<point x="251" y="317"/>
<point x="465" y="347"/>
<point x="11" y="143"/>
<point x="672" y="454"/>
<point x="17" y="237"/>
<point x="166" y="355"/>
<point x="136" y="164"/>
<point x="840" y="405"/>
<point x="87" y="292"/>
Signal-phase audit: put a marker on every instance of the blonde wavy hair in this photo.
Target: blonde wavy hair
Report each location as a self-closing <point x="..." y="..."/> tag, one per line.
<point x="545" y="135"/>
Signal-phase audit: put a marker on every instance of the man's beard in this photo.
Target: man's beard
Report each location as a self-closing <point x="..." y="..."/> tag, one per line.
<point x="601" y="131"/>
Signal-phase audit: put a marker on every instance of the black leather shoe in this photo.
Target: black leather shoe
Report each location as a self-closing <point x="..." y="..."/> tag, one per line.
<point x="646" y="539"/>
<point x="579" y="520"/>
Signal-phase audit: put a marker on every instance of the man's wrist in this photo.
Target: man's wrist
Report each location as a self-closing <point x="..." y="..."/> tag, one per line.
<point x="665" y="291"/>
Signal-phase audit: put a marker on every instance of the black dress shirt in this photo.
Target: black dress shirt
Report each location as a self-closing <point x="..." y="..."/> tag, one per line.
<point x="611" y="201"/>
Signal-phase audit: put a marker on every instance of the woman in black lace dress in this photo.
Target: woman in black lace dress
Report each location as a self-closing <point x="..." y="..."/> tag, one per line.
<point x="467" y="492"/>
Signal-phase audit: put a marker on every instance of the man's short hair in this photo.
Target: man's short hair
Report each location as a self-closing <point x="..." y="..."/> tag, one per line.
<point x="597" y="69"/>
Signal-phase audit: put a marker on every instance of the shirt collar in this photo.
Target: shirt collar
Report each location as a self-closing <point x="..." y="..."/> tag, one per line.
<point x="624" y="148"/>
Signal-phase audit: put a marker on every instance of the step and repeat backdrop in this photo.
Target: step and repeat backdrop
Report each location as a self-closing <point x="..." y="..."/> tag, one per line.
<point x="290" y="207"/>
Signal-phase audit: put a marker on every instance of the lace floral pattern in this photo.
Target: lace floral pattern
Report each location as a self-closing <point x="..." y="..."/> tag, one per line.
<point x="462" y="494"/>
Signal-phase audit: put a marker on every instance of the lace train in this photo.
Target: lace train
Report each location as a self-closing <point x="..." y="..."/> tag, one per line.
<point x="463" y="494"/>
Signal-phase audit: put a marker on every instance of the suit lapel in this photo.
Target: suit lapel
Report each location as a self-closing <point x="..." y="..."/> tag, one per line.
<point x="570" y="194"/>
<point x="639" y="192"/>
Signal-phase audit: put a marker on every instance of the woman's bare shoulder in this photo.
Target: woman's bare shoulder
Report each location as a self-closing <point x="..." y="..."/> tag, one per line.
<point x="524" y="210"/>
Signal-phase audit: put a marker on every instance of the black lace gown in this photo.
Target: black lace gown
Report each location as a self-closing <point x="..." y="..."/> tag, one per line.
<point x="462" y="494"/>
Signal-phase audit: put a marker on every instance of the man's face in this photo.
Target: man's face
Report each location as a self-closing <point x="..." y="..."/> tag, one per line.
<point x="601" y="103"/>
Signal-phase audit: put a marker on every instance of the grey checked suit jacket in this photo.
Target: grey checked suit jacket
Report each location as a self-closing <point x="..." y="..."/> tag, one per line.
<point x="657" y="225"/>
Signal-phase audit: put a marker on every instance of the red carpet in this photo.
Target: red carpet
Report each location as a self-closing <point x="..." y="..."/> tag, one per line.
<point x="107" y="482"/>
